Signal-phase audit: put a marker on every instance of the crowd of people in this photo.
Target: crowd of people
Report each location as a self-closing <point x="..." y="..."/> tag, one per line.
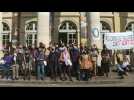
<point x="63" y="62"/>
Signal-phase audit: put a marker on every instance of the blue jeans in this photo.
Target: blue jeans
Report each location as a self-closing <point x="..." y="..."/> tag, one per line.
<point x="6" y="71"/>
<point x="41" y="69"/>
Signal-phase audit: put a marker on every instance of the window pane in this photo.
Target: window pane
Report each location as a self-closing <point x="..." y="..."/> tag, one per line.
<point x="27" y="41"/>
<point x="70" y="41"/>
<point x="4" y="42"/>
<point x="32" y="26"/>
<point x="70" y="35"/>
<point x="30" y="42"/>
<point x="5" y="27"/>
<point x="3" y="37"/>
<point x="74" y="35"/>
<point x="35" y="42"/>
<point x="7" y="41"/>
<point x="30" y="36"/>
<point x="35" y="36"/>
<point x="6" y="36"/>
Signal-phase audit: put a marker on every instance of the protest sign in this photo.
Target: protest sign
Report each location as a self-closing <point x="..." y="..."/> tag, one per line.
<point x="119" y="41"/>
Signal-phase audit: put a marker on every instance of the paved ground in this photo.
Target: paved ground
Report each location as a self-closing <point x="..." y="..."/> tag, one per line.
<point x="100" y="81"/>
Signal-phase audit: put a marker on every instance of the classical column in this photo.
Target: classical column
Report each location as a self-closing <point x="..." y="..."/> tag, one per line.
<point x="93" y="28"/>
<point x="1" y="28"/>
<point x="14" y="32"/>
<point x="43" y="34"/>
<point x="116" y="22"/>
<point x="83" y="27"/>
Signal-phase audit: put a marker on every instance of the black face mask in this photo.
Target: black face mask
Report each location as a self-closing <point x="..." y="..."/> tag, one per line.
<point x="26" y="53"/>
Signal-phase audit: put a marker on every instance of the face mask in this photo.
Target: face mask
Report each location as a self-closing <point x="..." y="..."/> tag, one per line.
<point x="20" y="51"/>
<point x="15" y="54"/>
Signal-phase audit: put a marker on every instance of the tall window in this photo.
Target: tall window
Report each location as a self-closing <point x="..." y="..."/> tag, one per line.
<point x="68" y="32"/>
<point x="31" y="33"/>
<point x="5" y="34"/>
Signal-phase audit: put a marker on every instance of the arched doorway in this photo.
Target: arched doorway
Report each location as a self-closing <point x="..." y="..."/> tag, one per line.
<point x="68" y="32"/>
<point x="31" y="33"/>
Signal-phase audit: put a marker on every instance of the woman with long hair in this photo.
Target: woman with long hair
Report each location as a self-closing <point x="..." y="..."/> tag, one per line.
<point x="68" y="64"/>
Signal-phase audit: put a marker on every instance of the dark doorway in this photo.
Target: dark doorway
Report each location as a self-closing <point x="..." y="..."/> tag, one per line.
<point x="63" y="37"/>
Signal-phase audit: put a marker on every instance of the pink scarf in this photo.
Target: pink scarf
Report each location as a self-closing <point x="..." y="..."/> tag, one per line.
<point x="65" y="54"/>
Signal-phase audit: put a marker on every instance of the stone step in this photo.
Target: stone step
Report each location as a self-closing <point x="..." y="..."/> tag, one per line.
<point x="99" y="80"/>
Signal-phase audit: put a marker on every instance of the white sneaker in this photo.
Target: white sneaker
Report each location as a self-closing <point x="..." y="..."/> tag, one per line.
<point x="8" y="79"/>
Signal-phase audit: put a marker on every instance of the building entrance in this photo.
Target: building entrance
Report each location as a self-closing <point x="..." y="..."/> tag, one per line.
<point x="68" y="32"/>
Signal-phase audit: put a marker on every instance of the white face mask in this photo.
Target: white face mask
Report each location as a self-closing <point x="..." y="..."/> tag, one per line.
<point x="14" y="58"/>
<point x="15" y="54"/>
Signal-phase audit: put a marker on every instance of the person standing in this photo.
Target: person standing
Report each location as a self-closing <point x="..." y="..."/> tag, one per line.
<point x="68" y="64"/>
<point x="105" y="61"/>
<point x="52" y="63"/>
<point x="35" y="54"/>
<point x="41" y="68"/>
<point x="94" y="55"/>
<point x="57" y="53"/>
<point x="15" y="67"/>
<point x="75" y="55"/>
<point x="86" y="66"/>
<point x="99" y="60"/>
<point x="61" y="60"/>
<point x="20" y="61"/>
<point x="28" y="65"/>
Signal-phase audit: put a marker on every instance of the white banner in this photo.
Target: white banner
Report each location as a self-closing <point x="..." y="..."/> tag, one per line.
<point x="119" y="41"/>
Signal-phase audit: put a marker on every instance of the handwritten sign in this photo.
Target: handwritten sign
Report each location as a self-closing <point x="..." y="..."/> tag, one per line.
<point x="119" y="41"/>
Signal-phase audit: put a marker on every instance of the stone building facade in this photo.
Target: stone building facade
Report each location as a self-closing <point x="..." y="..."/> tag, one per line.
<point x="30" y="28"/>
